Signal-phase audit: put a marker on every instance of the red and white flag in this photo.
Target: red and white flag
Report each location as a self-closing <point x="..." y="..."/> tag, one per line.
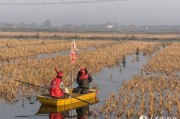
<point x="73" y="53"/>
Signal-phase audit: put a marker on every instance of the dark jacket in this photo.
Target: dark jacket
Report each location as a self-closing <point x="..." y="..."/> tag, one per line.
<point x="83" y="82"/>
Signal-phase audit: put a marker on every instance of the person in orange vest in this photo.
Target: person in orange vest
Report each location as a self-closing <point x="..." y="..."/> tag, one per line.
<point x="57" y="89"/>
<point x="83" y="80"/>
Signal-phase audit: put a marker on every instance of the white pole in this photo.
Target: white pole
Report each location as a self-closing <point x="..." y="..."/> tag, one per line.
<point x="72" y="88"/>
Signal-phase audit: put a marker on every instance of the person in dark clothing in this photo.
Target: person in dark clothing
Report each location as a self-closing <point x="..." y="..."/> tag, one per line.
<point x="137" y="51"/>
<point x="83" y="80"/>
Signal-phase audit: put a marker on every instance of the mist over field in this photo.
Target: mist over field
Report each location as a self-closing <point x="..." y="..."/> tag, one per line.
<point x="123" y="12"/>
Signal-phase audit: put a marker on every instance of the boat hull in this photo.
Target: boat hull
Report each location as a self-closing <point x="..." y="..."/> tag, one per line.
<point x="46" y="109"/>
<point x="83" y="98"/>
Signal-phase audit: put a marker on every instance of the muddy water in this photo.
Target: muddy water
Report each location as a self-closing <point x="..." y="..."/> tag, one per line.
<point x="108" y="80"/>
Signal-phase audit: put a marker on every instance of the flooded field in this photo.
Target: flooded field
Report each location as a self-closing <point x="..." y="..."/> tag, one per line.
<point x="131" y="76"/>
<point x="112" y="76"/>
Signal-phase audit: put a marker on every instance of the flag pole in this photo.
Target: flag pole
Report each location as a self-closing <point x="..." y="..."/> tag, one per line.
<point x="72" y="75"/>
<point x="72" y="88"/>
<point x="73" y="57"/>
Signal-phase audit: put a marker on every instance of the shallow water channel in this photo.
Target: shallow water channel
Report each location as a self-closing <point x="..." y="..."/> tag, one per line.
<point x="108" y="80"/>
<point x="45" y="55"/>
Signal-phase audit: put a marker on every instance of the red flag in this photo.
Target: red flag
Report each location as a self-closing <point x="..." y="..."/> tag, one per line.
<point x="73" y="49"/>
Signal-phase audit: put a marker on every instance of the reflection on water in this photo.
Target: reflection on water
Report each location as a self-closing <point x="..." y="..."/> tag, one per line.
<point x="80" y="112"/>
<point x="83" y="112"/>
<point x="32" y="100"/>
<point x="124" y="61"/>
<point x="137" y="51"/>
<point x="56" y="116"/>
<point x="137" y="55"/>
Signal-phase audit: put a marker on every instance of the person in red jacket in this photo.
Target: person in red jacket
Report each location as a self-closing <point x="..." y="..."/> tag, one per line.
<point x="57" y="86"/>
<point x="83" y="80"/>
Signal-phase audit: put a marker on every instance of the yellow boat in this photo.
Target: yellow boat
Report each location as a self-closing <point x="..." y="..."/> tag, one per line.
<point x="45" y="109"/>
<point x="75" y="98"/>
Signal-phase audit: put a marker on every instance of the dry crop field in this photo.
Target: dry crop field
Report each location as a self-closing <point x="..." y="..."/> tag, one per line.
<point x="88" y="35"/>
<point x="148" y="96"/>
<point x="41" y="71"/>
<point x="153" y="92"/>
<point x="166" y="61"/>
<point x="13" y="48"/>
<point x="147" y="93"/>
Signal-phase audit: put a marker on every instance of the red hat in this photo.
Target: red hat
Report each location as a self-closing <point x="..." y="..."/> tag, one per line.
<point x="59" y="72"/>
<point x="83" y="71"/>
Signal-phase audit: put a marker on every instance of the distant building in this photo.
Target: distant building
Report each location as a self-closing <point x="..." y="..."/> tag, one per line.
<point x="110" y="26"/>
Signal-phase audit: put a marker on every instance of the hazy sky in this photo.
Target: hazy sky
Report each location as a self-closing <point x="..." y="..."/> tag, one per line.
<point x="129" y="12"/>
